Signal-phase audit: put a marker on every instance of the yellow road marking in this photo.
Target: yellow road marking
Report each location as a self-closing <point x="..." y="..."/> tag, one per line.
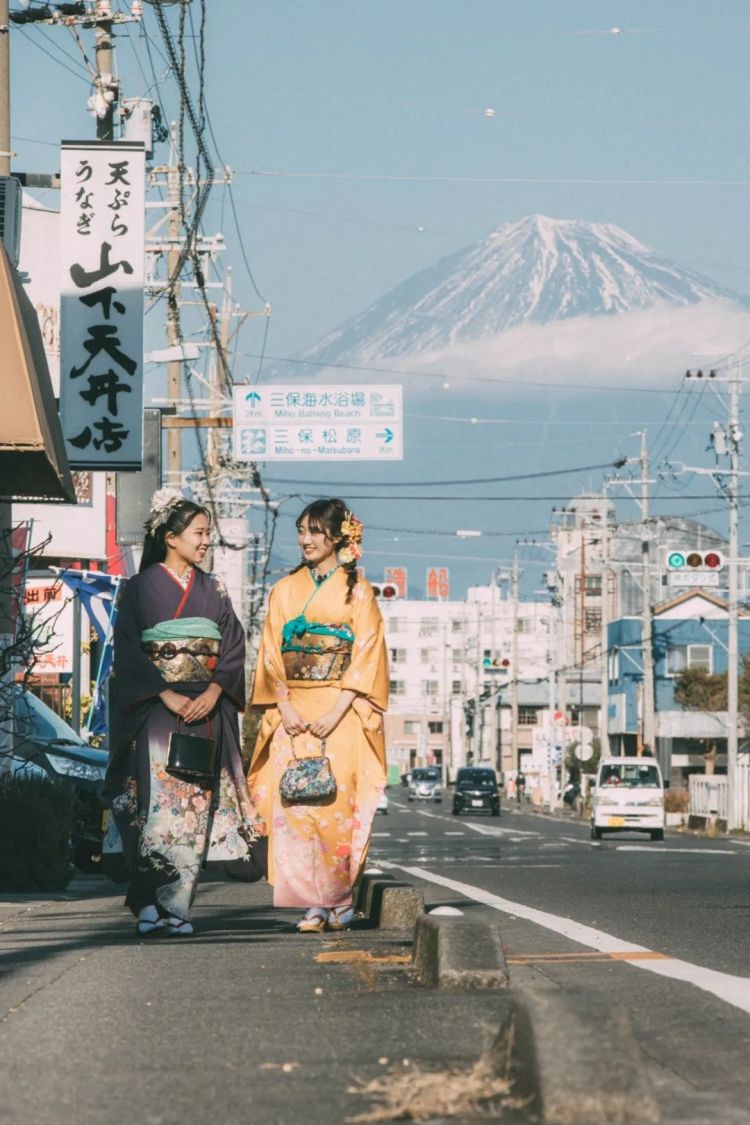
<point x="573" y="958"/>
<point x="363" y="955"/>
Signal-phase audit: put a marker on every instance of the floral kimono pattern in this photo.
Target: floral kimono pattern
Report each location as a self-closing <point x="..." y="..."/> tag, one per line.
<point x="163" y="822"/>
<point x="314" y="645"/>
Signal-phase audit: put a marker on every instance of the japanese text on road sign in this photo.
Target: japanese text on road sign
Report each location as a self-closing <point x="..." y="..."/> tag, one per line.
<point x="286" y="422"/>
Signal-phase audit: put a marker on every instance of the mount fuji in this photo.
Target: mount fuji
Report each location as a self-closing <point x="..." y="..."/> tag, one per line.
<point x="540" y="288"/>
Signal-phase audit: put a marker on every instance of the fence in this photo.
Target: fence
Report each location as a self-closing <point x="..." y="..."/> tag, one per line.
<point x="709" y="796"/>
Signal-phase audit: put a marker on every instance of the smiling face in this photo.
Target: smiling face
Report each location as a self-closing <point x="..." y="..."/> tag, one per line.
<point x="190" y="546"/>
<point x="317" y="549"/>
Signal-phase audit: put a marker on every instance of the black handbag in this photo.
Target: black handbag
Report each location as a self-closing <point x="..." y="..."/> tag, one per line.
<point x="192" y="757"/>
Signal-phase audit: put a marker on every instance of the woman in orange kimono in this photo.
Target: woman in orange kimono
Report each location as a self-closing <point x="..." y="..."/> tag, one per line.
<point x="322" y="677"/>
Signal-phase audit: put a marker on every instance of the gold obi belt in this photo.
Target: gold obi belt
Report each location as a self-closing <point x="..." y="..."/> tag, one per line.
<point x="314" y="651"/>
<point x="185" y="651"/>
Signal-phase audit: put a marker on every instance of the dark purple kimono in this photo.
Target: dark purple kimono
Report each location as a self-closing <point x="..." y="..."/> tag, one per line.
<point x="163" y="822"/>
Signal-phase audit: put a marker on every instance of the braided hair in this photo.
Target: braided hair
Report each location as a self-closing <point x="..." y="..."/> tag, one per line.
<point x="327" y="516"/>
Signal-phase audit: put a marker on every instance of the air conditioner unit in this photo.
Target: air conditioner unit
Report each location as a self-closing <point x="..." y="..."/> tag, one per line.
<point x="11" y="198"/>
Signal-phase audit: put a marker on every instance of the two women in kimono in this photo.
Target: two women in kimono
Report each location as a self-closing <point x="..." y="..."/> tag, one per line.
<point x="322" y="678"/>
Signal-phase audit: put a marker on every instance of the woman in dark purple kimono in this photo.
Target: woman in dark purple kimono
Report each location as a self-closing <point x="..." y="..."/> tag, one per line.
<point x="179" y="651"/>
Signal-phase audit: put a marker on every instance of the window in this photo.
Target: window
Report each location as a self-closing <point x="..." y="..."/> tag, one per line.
<point x="681" y="657"/>
<point x="397" y="655"/>
<point x="527" y="716"/>
<point x="614" y="667"/>
<point x="592" y="620"/>
<point x="397" y="687"/>
<point x="457" y="626"/>
<point x="435" y="728"/>
<point x="430" y="687"/>
<point x="457" y="687"/>
<point x="428" y="655"/>
<point x="394" y="625"/>
<point x="428" y="625"/>
<point x="592" y="585"/>
<point x="411" y="726"/>
<point x="487" y="654"/>
<point x="458" y="655"/>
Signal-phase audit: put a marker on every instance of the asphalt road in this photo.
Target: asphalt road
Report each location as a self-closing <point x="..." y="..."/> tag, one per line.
<point x="660" y="928"/>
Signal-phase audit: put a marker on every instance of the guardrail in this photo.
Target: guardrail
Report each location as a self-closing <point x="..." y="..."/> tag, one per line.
<point x="709" y="795"/>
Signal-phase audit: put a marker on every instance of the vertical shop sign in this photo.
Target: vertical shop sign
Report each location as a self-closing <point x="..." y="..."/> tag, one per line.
<point x="101" y="304"/>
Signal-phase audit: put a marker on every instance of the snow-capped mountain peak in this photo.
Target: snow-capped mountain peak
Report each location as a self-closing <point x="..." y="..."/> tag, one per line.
<point x="535" y="271"/>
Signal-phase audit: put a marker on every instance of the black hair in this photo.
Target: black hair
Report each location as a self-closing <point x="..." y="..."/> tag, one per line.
<point x="327" y="516"/>
<point x="181" y="516"/>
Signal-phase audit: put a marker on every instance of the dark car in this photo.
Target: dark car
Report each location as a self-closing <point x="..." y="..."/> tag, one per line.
<point x="476" y="790"/>
<point x="44" y="744"/>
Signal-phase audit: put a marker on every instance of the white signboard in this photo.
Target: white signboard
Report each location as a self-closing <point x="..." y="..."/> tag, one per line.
<point x="306" y="422"/>
<point x="693" y="578"/>
<point x="101" y="303"/>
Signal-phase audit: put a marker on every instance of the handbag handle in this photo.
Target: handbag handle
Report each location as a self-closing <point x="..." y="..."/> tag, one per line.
<point x="320" y="755"/>
<point x="208" y="724"/>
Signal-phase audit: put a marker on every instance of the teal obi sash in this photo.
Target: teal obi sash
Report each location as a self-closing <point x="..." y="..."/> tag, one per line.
<point x="185" y="650"/>
<point x="314" y="651"/>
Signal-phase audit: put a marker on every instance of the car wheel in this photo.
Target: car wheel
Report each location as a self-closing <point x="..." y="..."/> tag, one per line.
<point x="596" y="833"/>
<point x="455" y="811"/>
<point x="410" y="799"/>
<point x="657" y="834"/>
<point x="87" y="857"/>
<point x="496" y="812"/>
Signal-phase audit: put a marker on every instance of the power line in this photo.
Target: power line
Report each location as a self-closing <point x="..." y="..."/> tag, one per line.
<point x="279" y="173"/>
<point x="452" y="483"/>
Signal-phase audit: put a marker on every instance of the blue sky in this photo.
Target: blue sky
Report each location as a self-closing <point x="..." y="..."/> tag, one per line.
<point x="399" y="89"/>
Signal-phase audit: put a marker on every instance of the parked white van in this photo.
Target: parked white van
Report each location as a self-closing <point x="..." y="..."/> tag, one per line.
<point x="628" y="796"/>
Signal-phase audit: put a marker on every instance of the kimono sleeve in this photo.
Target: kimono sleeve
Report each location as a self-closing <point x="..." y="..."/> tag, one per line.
<point x="229" y="673"/>
<point x="270" y="676"/>
<point x="367" y="675"/>
<point x="138" y="680"/>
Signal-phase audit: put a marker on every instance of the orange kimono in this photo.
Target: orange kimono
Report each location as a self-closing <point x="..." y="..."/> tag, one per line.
<point x="315" y="645"/>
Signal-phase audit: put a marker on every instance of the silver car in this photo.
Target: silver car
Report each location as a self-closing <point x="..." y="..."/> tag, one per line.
<point x="425" y="784"/>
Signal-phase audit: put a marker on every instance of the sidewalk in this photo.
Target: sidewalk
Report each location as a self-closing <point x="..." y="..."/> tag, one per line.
<point x="245" y="1022"/>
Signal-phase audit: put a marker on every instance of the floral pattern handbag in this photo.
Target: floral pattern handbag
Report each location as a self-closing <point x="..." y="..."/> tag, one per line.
<point x="308" y="780"/>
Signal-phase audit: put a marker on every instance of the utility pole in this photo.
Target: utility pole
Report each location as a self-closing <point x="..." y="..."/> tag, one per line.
<point x="735" y="436"/>
<point x="514" y="581"/>
<point x="107" y="87"/>
<point x="604" y="695"/>
<point x="649" y="719"/>
<point x="174" y="366"/>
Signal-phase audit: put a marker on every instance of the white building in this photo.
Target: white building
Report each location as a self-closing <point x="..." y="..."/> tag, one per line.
<point x="451" y="665"/>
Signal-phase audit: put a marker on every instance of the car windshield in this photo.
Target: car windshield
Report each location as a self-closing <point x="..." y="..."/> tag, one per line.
<point x="39" y="728"/>
<point x="476" y="779"/>
<point x="629" y="776"/>
<point x="425" y="775"/>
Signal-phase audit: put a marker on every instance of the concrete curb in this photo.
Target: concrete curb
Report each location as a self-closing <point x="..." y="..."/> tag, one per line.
<point x="575" y="1058"/>
<point x="459" y="953"/>
<point x="389" y="903"/>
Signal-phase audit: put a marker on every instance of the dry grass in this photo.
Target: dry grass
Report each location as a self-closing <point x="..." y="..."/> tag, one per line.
<point x="417" y="1094"/>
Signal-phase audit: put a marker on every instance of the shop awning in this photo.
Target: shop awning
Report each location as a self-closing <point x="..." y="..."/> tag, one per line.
<point x="33" y="463"/>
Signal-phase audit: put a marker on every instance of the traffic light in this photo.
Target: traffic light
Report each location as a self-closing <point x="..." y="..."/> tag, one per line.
<point x="499" y="664"/>
<point x="388" y="591"/>
<point x="694" y="560"/>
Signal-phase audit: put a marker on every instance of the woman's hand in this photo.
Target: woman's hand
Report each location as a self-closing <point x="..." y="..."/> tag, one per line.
<point x="175" y="702"/>
<point x="328" y="722"/>
<point x="202" y="705"/>
<point x="291" y="718"/>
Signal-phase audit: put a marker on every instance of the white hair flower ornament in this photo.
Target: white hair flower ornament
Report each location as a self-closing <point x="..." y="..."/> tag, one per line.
<point x="352" y="529"/>
<point x="163" y="503"/>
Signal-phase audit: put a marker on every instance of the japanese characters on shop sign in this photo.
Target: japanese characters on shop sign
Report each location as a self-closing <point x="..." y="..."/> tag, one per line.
<point x="102" y="304"/>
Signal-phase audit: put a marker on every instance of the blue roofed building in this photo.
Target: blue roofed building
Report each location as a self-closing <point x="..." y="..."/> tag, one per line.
<point x="688" y="631"/>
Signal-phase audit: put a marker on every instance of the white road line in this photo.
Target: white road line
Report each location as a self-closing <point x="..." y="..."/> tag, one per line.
<point x="732" y="989"/>
<point x="380" y="834"/>
<point x="454" y="833"/>
<point x="496" y="830"/>
<point x="687" y="851"/>
<point x="416" y="833"/>
<point x="575" y="840"/>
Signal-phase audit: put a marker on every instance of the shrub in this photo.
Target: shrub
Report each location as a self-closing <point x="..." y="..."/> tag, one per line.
<point x="35" y="818"/>
<point x="677" y="800"/>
